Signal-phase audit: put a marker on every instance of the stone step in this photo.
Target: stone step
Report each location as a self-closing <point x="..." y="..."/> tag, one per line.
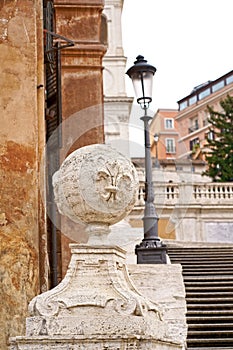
<point x="207" y="266"/>
<point x="209" y="288"/>
<point x="209" y="311"/>
<point x="211" y="327"/>
<point x="205" y="319"/>
<point x="205" y="281"/>
<point x="209" y="284"/>
<point x="208" y="279"/>
<point x="210" y="343"/>
<point x="201" y="259"/>
<point x="225" y="307"/>
<point x="203" y="254"/>
<point x="209" y="294"/>
<point x="209" y="301"/>
<point x="211" y="333"/>
<point x="224" y="271"/>
<point x="209" y="273"/>
<point x="195" y="250"/>
<point x="215" y="348"/>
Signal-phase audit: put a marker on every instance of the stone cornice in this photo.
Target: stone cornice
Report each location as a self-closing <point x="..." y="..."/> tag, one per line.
<point x="118" y="99"/>
<point x="85" y="46"/>
<point x="79" y="3"/>
<point x="93" y="53"/>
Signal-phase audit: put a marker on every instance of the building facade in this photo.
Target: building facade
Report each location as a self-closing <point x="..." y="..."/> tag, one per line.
<point x="164" y="127"/>
<point x="182" y="134"/>
<point x="192" y="117"/>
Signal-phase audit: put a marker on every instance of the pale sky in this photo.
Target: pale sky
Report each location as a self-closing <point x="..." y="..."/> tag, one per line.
<point x="188" y="41"/>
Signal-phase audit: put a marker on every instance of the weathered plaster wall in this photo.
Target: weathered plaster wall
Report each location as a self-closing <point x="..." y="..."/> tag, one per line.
<point x="21" y="143"/>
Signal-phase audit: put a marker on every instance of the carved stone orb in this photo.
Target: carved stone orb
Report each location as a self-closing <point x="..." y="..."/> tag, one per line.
<point x="96" y="185"/>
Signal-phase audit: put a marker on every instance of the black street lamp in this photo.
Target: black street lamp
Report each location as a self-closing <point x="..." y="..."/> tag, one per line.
<point x="156" y="140"/>
<point x="151" y="250"/>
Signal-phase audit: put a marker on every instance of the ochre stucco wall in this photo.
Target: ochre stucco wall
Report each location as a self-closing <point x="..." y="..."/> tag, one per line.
<point x="21" y="144"/>
<point x="82" y="87"/>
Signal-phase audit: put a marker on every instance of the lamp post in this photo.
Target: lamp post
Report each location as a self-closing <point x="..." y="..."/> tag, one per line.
<point x="151" y="250"/>
<point x="156" y="140"/>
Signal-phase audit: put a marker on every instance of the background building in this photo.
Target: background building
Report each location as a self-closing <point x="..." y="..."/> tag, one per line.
<point x="192" y="118"/>
<point x="164" y="126"/>
<point x="182" y="134"/>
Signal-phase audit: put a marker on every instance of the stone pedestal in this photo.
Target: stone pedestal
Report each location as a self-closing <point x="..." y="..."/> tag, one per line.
<point x="96" y="306"/>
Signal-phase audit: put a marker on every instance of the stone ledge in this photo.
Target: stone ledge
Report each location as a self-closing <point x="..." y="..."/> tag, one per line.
<point x="94" y="343"/>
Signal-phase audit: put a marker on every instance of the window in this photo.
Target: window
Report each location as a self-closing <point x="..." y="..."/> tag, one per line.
<point x="204" y="93"/>
<point x="193" y="143"/>
<point x="230" y="79"/>
<point x="218" y="86"/>
<point x="170" y="146"/>
<point x="183" y="105"/>
<point x="169" y="123"/>
<point x="206" y="119"/>
<point x="210" y="135"/>
<point x="194" y="125"/>
<point x="192" y="100"/>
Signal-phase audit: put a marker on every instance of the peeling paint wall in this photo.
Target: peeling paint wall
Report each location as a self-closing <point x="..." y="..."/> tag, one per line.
<point x="21" y="144"/>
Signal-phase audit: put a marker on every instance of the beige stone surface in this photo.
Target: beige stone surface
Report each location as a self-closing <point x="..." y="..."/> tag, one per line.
<point x="98" y="306"/>
<point x="94" y="343"/>
<point x="164" y="284"/>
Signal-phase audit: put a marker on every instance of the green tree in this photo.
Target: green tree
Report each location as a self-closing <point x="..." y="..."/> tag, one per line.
<point x="220" y="142"/>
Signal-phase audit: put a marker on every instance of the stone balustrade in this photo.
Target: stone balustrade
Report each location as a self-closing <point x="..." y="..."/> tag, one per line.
<point x="196" y="212"/>
<point x="213" y="191"/>
<point x="183" y="193"/>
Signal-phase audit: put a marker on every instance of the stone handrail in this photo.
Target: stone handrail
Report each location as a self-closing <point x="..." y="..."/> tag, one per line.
<point x="213" y="191"/>
<point x="185" y="193"/>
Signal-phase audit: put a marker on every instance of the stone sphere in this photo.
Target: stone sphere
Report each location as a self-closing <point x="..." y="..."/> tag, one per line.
<point x="96" y="185"/>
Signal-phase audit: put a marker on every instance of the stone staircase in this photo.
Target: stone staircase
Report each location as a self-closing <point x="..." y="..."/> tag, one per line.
<point x="208" y="279"/>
